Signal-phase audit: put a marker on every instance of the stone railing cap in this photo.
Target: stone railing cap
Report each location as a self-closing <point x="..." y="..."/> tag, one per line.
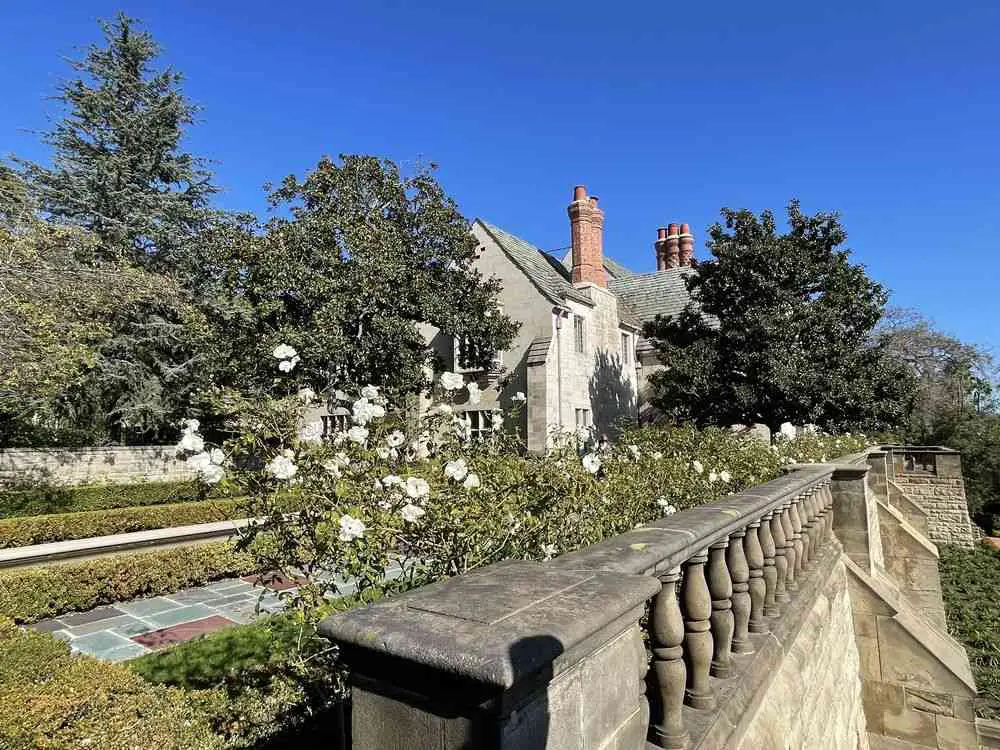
<point x="495" y="626"/>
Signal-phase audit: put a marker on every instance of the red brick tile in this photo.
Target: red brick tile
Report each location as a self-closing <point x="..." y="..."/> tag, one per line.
<point x="183" y="632"/>
<point x="274" y="581"/>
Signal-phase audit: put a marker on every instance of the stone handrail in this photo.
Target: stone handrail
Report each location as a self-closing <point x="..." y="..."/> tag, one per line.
<point x="716" y="576"/>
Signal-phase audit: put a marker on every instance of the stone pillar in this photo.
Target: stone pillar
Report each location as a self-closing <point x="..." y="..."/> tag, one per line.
<point x="515" y="655"/>
<point x="855" y="516"/>
<point x="878" y="474"/>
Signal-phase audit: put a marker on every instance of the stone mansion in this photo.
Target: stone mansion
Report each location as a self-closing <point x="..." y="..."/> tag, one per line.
<point x="579" y="356"/>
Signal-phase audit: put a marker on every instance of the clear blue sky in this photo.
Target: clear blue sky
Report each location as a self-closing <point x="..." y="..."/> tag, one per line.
<point x="885" y="111"/>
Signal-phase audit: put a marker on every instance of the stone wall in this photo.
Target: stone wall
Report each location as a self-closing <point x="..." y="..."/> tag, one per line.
<point x="112" y="465"/>
<point x="941" y="495"/>
<point x="814" y="699"/>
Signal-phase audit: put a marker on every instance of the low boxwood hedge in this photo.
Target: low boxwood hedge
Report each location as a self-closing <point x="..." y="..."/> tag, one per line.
<point x="16" y="532"/>
<point x="30" y="594"/>
<point x="41" y="500"/>
<point x="51" y="699"/>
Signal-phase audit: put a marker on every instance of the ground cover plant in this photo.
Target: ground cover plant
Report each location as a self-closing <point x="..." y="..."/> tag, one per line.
<point x="970" y="580"/>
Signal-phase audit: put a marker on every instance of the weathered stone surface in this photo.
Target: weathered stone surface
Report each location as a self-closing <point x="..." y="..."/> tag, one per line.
<point x="112" y="465"/>
<point x="926" y="700"/>
<point x="956" y="734"/>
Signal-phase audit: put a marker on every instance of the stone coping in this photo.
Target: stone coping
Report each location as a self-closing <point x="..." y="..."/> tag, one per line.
<point x="493" y="627"/>
<point x="37" y="554"/>
<point x="669" y="542"/>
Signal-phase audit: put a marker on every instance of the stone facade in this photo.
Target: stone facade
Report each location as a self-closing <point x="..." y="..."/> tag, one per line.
<point x="940" y="494"/>
<point x="814" y="699"/>
<point x="112" y="465"/>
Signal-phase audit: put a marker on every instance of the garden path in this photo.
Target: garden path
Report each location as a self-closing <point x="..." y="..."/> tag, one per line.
<point x="125" y="630"/>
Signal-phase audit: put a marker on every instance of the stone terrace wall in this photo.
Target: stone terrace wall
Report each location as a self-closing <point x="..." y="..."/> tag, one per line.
<point x="942" y="496"/>
<point x="814" y="700"/>
<point x="111" y="465"/>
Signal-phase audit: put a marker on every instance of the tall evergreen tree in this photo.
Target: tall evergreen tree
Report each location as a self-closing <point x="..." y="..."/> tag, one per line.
<point x="780" y="329"/>
<point x="118" y="168"/>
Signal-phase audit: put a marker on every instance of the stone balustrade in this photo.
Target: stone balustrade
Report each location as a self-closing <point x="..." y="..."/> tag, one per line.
<point x="544" y="654"/>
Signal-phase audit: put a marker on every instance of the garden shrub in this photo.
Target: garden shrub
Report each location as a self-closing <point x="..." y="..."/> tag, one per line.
<point x="970" y="583"/>
<point x="46" y="499"/>
<point x="54" y="700"/>
<point x="24" y="530"/>
<point x="30" y="594"/>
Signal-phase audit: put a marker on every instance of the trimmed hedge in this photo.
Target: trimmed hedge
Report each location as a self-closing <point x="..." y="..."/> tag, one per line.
<point x="970" y="583"/>
<point x="16" y="532"/>
<point x="31" y="594"/>
<point x="36" y="501"/>
<point x="51" y="699"/>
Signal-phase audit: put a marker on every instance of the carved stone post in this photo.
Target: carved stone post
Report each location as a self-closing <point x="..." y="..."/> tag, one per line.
<point x="771" y="606"/>
<point x="780" y="558"/>
<point x="720" y="586"/>
<point x="739" y="573"/>
<point x="795" y="515"/>
<point x="809" y="530"/>
<point x="696" y="604"/>
<point x="829" y="506"/>
<point x="757" y="586"/>
<point x="666" y="629"/>
<point x="791" y="556"/>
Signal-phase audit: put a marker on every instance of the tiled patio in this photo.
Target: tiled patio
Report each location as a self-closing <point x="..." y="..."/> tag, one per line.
<point x="128" y="629"/>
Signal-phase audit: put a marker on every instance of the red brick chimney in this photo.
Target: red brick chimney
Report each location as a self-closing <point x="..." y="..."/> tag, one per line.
<point x="586" y="224"/>
<point x="672" y="247"/>
<point x="661" y="248"/>
<point x="686" y="245"/>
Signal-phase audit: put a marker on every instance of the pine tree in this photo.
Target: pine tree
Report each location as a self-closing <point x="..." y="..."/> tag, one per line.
<point x="118" y="168"/>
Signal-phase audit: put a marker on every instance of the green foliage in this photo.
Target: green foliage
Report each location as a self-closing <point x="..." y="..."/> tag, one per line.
<point x="779" y="330"/>
<point x="978" y="439"/>
<point x="51" y="699"/>
<point x="359" y="257"/>
<point x="118" y="167"/>
<point x="970" y="580"/>
<point x="16" y="532"/>
<point x="31" y="594"/>
<point x="46" y="499"/>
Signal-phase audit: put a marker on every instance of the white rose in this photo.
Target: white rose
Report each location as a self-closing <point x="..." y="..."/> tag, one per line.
<point x="475" y="395"/>
<point x="634" y="450"/>
<point x="725" y="476"/>
<point x="497" y="421"/>
<point x="519" y="396"/>
<point x="451" y="381"/>
<point x="386" y="453"/>
<point x="472" y="482"/>
<point x="351" y="528"/>
<point x="420" y="450"/>
<point x="395" y="439"/>
<point x="592" y="463"/>
<point x="312" y="432"/>
<point x="199" y="461"/>
<point x="281" y="467"/>
<point x="370" y="392"/>
<point x="411" y="513"/>
<point x="656" y="455"/>
<point x="306" y="395"/>
<point x="392" y="481"/>
<point x="456" y="470"/>
<point x="217" y="456"/>
<point x="549" y="550"/>
<point x="697" y="466"/>
<point x="417" y="488"/>
<point x="213" y="473"/>
<point x="666" y="507"/>
<point x="358" y="434"/>
<point x="191" y="425"/>
<point x="287" y="365"/>
<point x="444" y="409"/>
<point x="340" y="395"/>
<point x="191" y="442"/>
<point x="713" y="477"/>
<point x="283" y="351"/>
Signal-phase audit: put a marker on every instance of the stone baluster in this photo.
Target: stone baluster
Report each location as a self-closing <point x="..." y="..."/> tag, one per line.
<point x="827" y="515"/>
<point x="829" y="506"/>
<point x="780" y="557"/>
<point x="739" y="572"/>
<point x="758" y="587"/>
<point x="771" y="606"/>
<point x="791" y="584"/>
<point x="795" y="513"/>
<point x="720" y="586"/>
<point x="666" y="629"/>
<point x="821" y="517"/>
<point x="696" y="607"/>
<point x="809" y="530"/>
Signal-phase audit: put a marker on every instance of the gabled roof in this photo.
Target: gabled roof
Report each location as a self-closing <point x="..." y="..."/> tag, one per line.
<point x="652" y="294"/>
<point x="546" y="272"/>
<point x="612" y="267"/>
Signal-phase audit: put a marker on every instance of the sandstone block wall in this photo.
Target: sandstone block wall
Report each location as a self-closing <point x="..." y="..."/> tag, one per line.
<point x="814" y="701"/>
<point x="942" y="498"/>
<point x="110" y="465"/>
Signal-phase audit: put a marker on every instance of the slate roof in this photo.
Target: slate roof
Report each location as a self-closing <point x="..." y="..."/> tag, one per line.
<point x="652" y="294"/>
<point x="538" y="350"/>
<point x="548" y="274"/>
<point x="641" y="296"/>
